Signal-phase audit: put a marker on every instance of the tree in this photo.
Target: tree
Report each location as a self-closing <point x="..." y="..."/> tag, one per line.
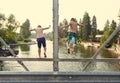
<point x="79" y="32"/>
<point x="113" y="24"/>
<point x="2" y="30"/>
<point x="3" y="33"/>
<point x="107" y="25"/>
<point x="2" y="20"/>
<point x="62" y="31"/>
<point x="106" y="34"/>
<point x="24" y="31"/>
<point x="108" y="29"/>
<point x="94" y="27"/>
<point x="86" y="30"/>
<point x="12" y="26"/>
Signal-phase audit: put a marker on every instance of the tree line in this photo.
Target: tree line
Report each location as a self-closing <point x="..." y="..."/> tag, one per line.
<point x="88" y="32"/>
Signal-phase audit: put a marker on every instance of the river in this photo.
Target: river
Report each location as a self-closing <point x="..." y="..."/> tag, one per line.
<point x="45" y="66"/>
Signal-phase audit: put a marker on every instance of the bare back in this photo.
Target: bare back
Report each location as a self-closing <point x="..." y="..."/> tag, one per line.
<point x="39" y="32"/>
<point x="73" y="26"/>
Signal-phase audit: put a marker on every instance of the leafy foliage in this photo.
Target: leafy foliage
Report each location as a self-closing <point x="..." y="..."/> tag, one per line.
<point x="108" y="30"/>
<point x="8" y="27"/>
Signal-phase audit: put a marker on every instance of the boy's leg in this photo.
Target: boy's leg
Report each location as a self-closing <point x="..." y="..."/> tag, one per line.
<point x="68" y="43"/>
<point x="39" y="46"/>
<point x="44" y="46"/>
<point x="39" y="52"/>
<point x="74" y="42"/>
<point x="74" y="45"/>
<point x="68" y="47"/>
<point x="45" y="52"/>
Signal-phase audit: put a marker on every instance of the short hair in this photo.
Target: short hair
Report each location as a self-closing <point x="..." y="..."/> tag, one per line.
<point x="39" y="25"/>
<point x="73" y="19"/>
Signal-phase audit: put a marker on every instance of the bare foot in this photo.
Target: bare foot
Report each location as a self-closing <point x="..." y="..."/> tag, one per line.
<point x="45" y="55"/>
<point x="68" y="51"/>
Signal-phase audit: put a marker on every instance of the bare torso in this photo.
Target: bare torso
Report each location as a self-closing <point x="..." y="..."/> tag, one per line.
<point x="39" y="32"/>
<point x="73" y="26"/>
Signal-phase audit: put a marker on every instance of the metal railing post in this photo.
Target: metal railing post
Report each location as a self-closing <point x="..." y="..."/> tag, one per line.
<point x="55" y="35"/>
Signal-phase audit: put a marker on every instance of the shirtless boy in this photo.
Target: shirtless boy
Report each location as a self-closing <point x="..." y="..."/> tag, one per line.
<point x="72" y="33"/>
<point x="40" y="39"/>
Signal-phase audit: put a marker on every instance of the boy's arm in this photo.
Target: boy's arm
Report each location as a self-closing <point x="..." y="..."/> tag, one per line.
<point x="66" y="26"/>
<point x="31" y="29"/>
<point x="80" y="24"/>
<point x="47" y="27"/>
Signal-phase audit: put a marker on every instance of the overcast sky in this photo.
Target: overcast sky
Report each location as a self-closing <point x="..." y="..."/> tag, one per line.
<point x="40" y="11"/>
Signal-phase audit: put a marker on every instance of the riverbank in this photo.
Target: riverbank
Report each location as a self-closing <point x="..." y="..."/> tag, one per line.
<point x="115" y="49"/>
<point x="90" y="44"/>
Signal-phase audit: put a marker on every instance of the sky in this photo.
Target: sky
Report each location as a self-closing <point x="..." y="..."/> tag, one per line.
<point x="40" y="11"/>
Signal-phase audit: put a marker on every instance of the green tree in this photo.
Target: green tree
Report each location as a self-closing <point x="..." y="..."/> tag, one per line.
<point x="62" y="32"/>
<point x="3" y="33"/>
<point x="113" y="24"/>
<point x="24" y="31"/>
<point x="2" y="29"/>
<point x="107" y="32"/>
<point x="79" y="32"/>
<point x="107" y="25"/>
<point x="12" y="25"/>
<point x="2" y="20"/>
<point x="94" y="27"/>
<point x="86" y="30"/>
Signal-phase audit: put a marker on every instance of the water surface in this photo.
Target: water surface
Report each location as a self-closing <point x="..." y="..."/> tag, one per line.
<point x="30" y="51"/>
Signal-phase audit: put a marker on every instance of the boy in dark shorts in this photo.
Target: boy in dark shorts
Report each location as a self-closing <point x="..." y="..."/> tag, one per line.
<point x="40" y="39"/>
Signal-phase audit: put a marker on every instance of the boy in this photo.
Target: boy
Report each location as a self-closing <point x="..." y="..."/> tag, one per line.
<point x="40" y="39"/>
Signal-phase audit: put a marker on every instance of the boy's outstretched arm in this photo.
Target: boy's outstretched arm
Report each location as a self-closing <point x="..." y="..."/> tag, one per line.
<point x="31" y="29"/>
<point x="80" y="24"/>
<point x="47" y="27"/>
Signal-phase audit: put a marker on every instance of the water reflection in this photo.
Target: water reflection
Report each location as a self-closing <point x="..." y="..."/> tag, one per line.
<point x="25" y="48"/>
<point x="86" y="52"/>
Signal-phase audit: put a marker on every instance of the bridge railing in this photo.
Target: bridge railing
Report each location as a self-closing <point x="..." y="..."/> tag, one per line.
<point x="61" y="77"/>
<point x="56" y="58"/>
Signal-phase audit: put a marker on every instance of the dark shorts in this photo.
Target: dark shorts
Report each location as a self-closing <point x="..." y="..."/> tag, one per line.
<point x="41" y="41"/>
